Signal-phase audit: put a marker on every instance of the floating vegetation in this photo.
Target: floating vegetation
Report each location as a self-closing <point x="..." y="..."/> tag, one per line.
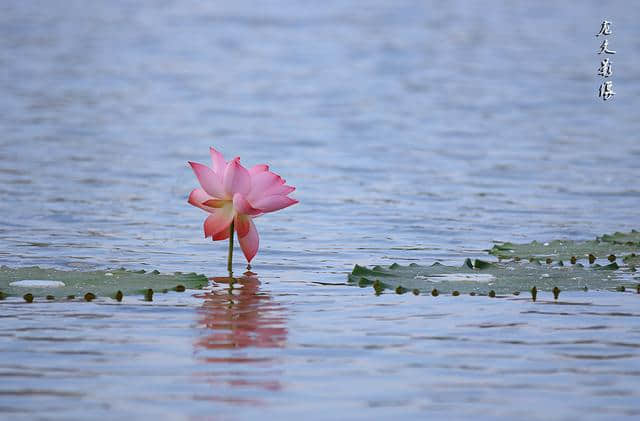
<point x="605" y="247"/>
<point x="485" y="277"/>
<point x="627" y="238"/>
<point x="632" y="259"/>
<point x="535" y="263"/>
<point x="539" y="264"/>
<point x="111" y="283"/>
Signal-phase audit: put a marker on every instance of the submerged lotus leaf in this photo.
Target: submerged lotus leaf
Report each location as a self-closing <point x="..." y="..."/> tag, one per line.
<point x="483" y="277"/>
<point x="564" y="250"/>
<point x="102" y="283"/>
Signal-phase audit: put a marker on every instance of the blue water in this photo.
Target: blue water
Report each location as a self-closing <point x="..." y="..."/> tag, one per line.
<point x="413" y="131"/>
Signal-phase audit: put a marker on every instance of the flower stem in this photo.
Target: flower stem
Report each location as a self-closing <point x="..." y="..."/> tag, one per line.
<point x="230" y="257"/>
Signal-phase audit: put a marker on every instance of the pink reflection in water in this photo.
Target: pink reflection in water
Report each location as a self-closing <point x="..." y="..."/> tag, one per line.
<point x="238" y="318"/>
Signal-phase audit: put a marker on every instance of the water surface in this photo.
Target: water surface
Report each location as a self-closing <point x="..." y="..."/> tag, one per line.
<point x="414" y="132"/>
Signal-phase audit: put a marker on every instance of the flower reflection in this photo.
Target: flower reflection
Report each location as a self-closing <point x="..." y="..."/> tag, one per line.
<point x="243" y="330"/>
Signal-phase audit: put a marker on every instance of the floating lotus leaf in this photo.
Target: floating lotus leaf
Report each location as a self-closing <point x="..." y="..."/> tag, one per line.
<point x="627" y="238"/>
<point x="483" y="277"/>
<point x="617" y="245"/>
<point x="100" y="283"/>
<point x="632" y="260"/>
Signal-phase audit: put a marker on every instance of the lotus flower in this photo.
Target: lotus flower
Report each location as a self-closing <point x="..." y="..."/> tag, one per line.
<point x="234" y="196"/>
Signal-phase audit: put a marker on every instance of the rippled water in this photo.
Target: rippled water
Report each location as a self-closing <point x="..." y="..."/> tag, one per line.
<point x="414" y="131"/>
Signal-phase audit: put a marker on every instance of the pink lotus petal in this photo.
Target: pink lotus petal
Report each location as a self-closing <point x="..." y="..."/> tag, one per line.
<point x="242" y="206"/>
<point x="261" y="182"/>
<point x="209" y="180"/>
<point x="258" y="168"/>
<point x="281" y="189"/>
<point x="265" y="179"/>
<point x="222" y="235"/>
<point x="236" y="178"/>
<point x="241" y="224"/>
<point x="273" y="203"/>
<point x="198" y="197"/>
<point x="218" y="221"/>
<point x="218" y="164"/>
<point x="250" y="242"/>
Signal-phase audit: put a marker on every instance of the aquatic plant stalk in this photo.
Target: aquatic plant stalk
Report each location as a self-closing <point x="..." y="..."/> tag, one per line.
<point x="230" y="256"/>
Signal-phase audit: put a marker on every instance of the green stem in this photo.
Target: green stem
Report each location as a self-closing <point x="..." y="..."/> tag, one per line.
<point x="230" y="257"/>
